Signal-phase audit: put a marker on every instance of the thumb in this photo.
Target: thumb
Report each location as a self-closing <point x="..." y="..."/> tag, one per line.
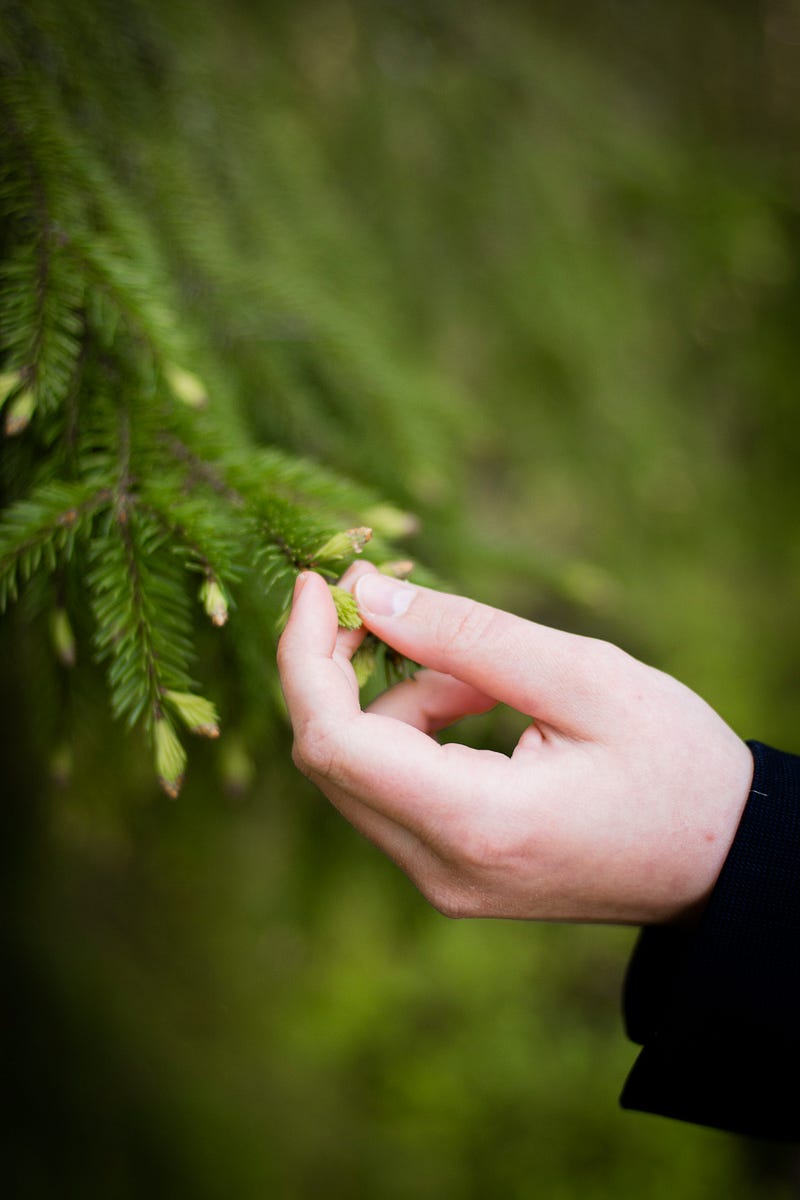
<point x="563" y="679"/>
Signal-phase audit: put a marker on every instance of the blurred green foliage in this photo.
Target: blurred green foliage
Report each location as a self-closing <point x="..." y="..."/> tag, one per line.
<point x="536" y="279"/>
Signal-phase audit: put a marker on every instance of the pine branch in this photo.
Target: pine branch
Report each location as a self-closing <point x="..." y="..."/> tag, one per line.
<point x="40" y="322"/>
<point x="143" y="627"/>
<point x="40" y="532"/>
<point x="41" y="297"/>
<point x="122" y="454"/>
<point x="206" y="540"/>
<point x="118" y="292"/>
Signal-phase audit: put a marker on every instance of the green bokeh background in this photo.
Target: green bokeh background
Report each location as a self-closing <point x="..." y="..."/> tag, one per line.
<point x="533" y="271"/>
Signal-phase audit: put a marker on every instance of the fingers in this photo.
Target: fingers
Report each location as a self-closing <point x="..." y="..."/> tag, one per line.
<point x="431" y="701"/>
<point x="398" y="771"/>
<point x="312" y="637"/>
<point x="562" y="679"/>
<point x="393" y="768"/>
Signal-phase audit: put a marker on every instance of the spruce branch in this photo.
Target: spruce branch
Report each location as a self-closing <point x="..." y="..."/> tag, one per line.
<point x="143" y="628"/>
<point x="40" y="321"/>
<point x="119" y="292"/>
<point x="127" y="452"/>
<point x="38" y="533"/>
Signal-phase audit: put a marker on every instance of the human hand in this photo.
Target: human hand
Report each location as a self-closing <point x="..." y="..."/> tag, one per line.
<point x="618" y="804"/>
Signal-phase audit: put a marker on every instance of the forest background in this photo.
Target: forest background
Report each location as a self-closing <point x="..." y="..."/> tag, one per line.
<point x="531" y="274"/>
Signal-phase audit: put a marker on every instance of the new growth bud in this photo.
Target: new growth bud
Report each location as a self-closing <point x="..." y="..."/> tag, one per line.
<point x="392" y="522"/>
<point x="19" y="413"/>
<point x="214" y="601"/>
<point x="399" y="569"/>
<point x="346" y="608"/>
<point x="365" y="660"/>
<point x="170" y="756"/>
<point x="9" y="381"/>
<point x="344" y="544"/>
<point x="188" y="388"/>
<point x="63" y="638"/>
<point x="198" y="714"/>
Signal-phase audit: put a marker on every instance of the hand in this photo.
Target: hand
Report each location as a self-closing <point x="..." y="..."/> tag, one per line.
<point x="618" y="804"/>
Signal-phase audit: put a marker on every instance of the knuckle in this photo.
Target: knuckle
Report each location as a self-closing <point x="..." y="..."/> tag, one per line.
<point x="457" y="886"/>
<point x="612" y="661"/>
<point x="314" y="750"/>
<point x="298" y="758"/>
<point x="465" y="627"/>
<point x="483" y="848"/>
<point x="476" y="840"/>
<point x="448" y="900"/>
<point x="606" y="669"/>
<point x="609" y="655"/>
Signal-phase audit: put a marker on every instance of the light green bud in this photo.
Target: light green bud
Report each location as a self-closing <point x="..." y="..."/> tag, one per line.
<point x="364" y="661"/>
<point x="346" y="608"/>
<point x="392" y="522"/>
<point x="9" y="380"/>
<point x="170" y="756"/>
<point x="399" y="569"/>
<point x="198" y="714"/>
<point x="188" y="388"/>
<point x="19" y="413"/>
<point x="344" y="544"/>
<point x="214" y="601"/>
<point x="63" y="638"/>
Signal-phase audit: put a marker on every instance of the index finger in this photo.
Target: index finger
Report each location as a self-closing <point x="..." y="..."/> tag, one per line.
<point x="564" y="679"/>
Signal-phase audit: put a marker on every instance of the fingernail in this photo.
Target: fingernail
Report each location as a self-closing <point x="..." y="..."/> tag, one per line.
<point x="299" y="584"/>
<point x="382" y="596"/>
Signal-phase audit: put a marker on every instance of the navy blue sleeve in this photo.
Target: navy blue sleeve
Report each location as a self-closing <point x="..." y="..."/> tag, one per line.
<point x="716" y="1008"/>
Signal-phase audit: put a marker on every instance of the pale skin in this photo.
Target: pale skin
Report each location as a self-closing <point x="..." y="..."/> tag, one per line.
<point x="618" y="804"/>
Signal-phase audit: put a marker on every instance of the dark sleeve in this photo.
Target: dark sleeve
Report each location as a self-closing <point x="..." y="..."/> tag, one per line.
<point x="716" y="1008"/>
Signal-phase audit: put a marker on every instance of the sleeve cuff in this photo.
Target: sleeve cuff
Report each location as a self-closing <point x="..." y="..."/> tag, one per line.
<point x="717" y="1008"/>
